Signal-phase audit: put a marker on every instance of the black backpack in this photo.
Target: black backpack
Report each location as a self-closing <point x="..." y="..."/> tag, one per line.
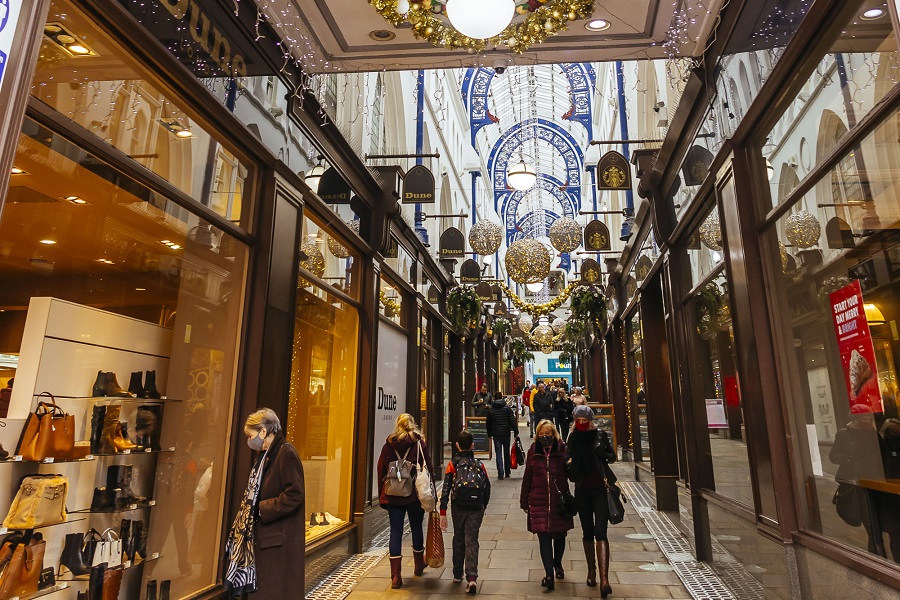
<point x="470" y="484"/>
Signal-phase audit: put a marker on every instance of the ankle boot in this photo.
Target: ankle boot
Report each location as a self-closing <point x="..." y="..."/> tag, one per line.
<point x="118" y="477"/>
<point x="603" y="568"/>
<point x="126" y="535"/>
<point x="108" y="435"/>
<point x="139" y="540"/>
<point x="419" y="562"/>
<point x="135" y="387"/>
<point x="114" y="390"/>
<point x="151" y="590"/>
<point x="591" y="563"/>
<point x="150" y="390"/>
<point x="98" y="390"/>
<point x="112" y="583"/>
<point x="396" y="580"/>
<point x="97" y="428"/>
<point x="72" y="557"/>
<point x="148" y="425"/>
<point x="95" y="582"/>
<point x="164" y="589"/>
<point x="121" y="441"/>
<point x="104" y="500"/>
<point x="126" y="438"/>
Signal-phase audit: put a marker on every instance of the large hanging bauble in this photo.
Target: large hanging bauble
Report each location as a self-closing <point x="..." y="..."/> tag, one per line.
<point x="542" y="335"/>
<point x="559" y="325"/>
<point x="565" y="234"/>
<point x="711" y="232"/>
<point x="314" y="261"/>
<point x="485" y="237"/>
<point x="803" y="229"/>
<point x="336" y="248"/>
<point x="525" y="323"/>
<point x="527" y="261"/>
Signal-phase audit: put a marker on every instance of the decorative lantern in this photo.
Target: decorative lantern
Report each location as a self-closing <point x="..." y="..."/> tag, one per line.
<point x="525" y="323"/>
<point x="485" y="237"/>
<point x="565" y="234"/>
<point x="479" y="20"/>
<point x="559" y="325"/>
<point x="542" y="335"/>
<point x="711" y="232"/>
<point x="803" y="229"/>
<point x="527" y="261"/>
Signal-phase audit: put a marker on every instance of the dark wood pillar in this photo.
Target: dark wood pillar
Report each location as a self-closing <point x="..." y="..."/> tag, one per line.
<point x="469" y="375"/>
<point x="457" y="388"/>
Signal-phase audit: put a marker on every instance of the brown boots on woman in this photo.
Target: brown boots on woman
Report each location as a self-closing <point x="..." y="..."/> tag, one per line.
<point x="602" y="561"/>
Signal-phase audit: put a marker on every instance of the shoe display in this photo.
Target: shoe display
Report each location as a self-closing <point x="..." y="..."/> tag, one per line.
<point x="121" y="441"/>
<point x="118" y="478"/>
<point x="164" y="589"/>
<point x="97" y="417"/>
<point x="148" y="426"/>
<point x="151" y="590"/>
<point x="150" y="391"/>
<point x="313" y="521"/>
<point x="135" y="386"/>
<point x="95" y="582"/>
<point x="330" y="519"/>
<point x="99" y="388"/>
<point x="113" y="389"/>
<point x="127" y="539"/>
<point x="72" y="557"/>
<point x="108" y="433"/>
<point x="4" y="453"/>
<point x="112" y="583"/>
<point x="104" y="499"/>
<point x="139" y="540"/>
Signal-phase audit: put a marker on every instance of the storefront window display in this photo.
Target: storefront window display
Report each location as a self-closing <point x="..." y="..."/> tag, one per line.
<point x="838" y="303"/>
<point x="324" y="374"/>
<point x="636" y="358"/>
<point x="390" y="301"/>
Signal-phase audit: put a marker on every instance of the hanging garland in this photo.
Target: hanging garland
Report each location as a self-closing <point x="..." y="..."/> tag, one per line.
<point x="464" y="307"/>
<point x="540" y="310"/>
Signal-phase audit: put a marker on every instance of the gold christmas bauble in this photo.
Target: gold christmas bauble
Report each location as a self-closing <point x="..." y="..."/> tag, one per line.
<point x="565" y="234"/>
<point x="803" y="229"/>
<point x="527" y="261"/>
<point x="485" y="237"/>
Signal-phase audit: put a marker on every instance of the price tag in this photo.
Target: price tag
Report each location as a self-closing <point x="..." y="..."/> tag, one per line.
<point x="151" y="503"/>
<point x="126" y="564"/>
<point x="89" y="457"/>
<point x="3" y="530"/>
<point x="63" y="586"/>
<point x="148" y="449"/>
<point x="48" y="460"/>
<point x="132" y="507"/>
<point x="172" y="449"/>
<point x="154" y="556"/>
<point x="125" y="452"/>
<point x="17" y="458"/>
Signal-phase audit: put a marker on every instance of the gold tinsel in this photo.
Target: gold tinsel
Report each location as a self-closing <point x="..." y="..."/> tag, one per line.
<point x="545" y="22"/>
<point x="539" y="310"/>
<point x="389" y="303"/>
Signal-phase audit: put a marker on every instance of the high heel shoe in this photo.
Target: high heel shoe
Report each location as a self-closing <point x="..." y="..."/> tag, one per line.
<point x="106" y="443"/>
<point x="120" y="441"/>
<point x="150" y="391"/>
<point x="114" y="390"/>
<point x="119" y="477"/>
<point x="72" y="557"/>
<point x="135" y="386"/>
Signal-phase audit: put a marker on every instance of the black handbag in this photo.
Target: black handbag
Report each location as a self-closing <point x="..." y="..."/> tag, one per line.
<point x="520" y="452"/>
<point x="615" y="500"/>
<point x="567" y="506"/>
<point x="848" y="503"/>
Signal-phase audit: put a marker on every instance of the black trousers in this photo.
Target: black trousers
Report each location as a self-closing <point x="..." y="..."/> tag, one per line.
<point x="593" y="512"/>
<point x="552" y="546"/>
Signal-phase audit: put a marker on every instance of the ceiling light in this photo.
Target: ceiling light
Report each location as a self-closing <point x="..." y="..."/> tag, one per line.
<point x="174" y="126"/>
<point x="140" y="289"/>
<point x="174" y="246"/>
<point x="68" y="41"/>
<point x="873" y="314"/>
<point x="184" y="133"/>
<point x="534" y="288"/>
<point x="166" y="242"/>
<point x="597" y="25"/>
<point x="77" y="200"/>
<point x="79" y="49"/>
<point x="18" y="171"/>
<point x="487" y="259"/>
<point x="873" y="13"/>
<point x="480" y="19"/>
<point x="48" y="241"/>
<point x="521" y="177"/>
<point x="382" y="35"/>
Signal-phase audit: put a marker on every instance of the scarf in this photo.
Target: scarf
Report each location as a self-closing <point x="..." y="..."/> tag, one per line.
<point x="240" y="571"/>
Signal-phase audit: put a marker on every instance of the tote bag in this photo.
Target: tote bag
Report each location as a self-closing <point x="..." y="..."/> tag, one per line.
<point x="108" y="550"/>
<point x="434" y="541"/>
<point x="40" y="501"/>
<point x="424" y="485"/>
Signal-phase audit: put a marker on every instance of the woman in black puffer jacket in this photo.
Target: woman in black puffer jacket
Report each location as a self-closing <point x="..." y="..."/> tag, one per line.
<point x="588" y="451"/>
<point x="544" y="480"/>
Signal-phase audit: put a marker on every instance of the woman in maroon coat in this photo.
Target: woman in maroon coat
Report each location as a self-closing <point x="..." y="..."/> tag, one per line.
<point x="544" y="480"/>
<point x="406" y="441"/>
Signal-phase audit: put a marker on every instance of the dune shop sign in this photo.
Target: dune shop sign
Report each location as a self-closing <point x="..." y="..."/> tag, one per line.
<point x="418" y="186"/>
<point x="453" y="244"/>
<point x="333" y="189"/>
<point x="470" y="272"/>
<point x="613" y="172"/>
<point x="856" y="348"/>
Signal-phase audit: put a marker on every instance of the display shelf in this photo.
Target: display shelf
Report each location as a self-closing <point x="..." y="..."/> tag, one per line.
<point x="134" y="452"/>
<point x="47" y="461"/>
<point x="45" y="592"/>
<point x="126" y="565"/>
<point x="116" y="399"/>
<point x="117" y="510"/>
<point x="5" y="530"/>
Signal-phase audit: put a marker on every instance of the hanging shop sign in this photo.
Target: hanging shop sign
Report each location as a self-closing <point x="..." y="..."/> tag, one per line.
<point x="453" y="244"/>
<point x="418" y="186"/>
<point x="484" y="291"/>
<point x="496" y="293"/>
<point x="596" y="236"/>
<point x="390" y="395"/>
<point x="613" y="172"/>
<point x="500" y="309"/>
<point x="642" y="267"/>
<point x="839" y="234"/>
<point x="333" y="189"/>
<point x="434" y="295"/>
<point x="631" y="286"/>
<point x="393" y="249"/>
<point x="694" y="242"/>
<point x="856" y="348"/>
<point x="9" y="16"/>
<point x="591" y="271"/>
<point x="470" y="272"/>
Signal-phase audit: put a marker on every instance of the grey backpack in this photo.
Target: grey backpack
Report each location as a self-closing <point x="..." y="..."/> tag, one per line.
<point x="399" y="481"/>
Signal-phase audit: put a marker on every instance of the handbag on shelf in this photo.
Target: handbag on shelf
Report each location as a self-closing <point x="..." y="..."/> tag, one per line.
<point x="108" y="550"/>
<point x="434" y="541"/>
<point x="568" y="507"/>
<point x="425" y="489"/>
<point x="614" y="499"/>
<point x="398" y="481"/>
<point x="40" y="501"/>
<point x="49" y="432"/>
<point x="22" y="573"/>
<point x="91" y="539"/>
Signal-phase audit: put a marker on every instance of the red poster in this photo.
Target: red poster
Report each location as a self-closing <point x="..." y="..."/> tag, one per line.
<point x="857" y="351"/>
<point x="732" y="396"/>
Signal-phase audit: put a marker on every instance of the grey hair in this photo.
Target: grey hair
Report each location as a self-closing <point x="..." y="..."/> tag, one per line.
<point x="264" y="418"/>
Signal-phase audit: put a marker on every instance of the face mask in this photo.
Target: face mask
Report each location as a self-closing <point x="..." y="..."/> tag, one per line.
<point x="546" y="440"/>
<point x="256" y="443"/>
<point x="582" y="426"/>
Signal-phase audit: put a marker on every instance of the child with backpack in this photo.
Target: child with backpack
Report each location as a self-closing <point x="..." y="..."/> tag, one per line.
<point x="466" y="483"/>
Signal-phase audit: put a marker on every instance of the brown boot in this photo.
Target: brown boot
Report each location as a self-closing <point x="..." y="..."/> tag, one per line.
<point x="591" y="563"/>
<point x="110" y="429"/>
<point x="419" y="561"/>
<point x="396" y="580"/>
<point x="603" y="568"/>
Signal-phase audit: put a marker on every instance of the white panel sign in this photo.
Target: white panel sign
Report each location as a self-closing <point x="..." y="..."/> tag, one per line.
<point x="390" y="394"/>
<point x="9" y="16"/>
<point x="715" y="413"/>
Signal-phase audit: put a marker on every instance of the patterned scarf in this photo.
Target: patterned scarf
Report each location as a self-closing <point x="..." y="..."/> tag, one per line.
<point x="240" y="572"/>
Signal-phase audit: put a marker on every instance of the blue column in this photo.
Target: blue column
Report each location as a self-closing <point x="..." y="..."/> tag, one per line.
<point x="475" y="175"/>
<point x="420" y="148"/>
<point x="623" y="124"/>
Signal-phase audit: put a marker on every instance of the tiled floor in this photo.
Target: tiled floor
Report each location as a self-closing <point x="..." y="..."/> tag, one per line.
<point x="509" y="564"/>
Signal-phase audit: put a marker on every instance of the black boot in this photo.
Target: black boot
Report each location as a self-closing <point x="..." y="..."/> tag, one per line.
<point x="148" y="425"/>
<point x="139" y="540"/>
<point x="126" y="535"/>
<point x="150" y="390"/>
<point x="119" y="477"/>
<point x="97" y="428"/>
<point x="95" y="585"/>
<point x="164" y="589"/>
<point x="113" y="390"/>
<point x="72" y="557"/>
<point x="151" y="590"/>
<point x="104" y="500"/>
<point x="99" y="388"/>
<point x="134" y="385"/>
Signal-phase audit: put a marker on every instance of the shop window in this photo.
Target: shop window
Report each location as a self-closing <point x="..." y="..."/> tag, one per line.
<point x="836" y="294"/>
<point x="705" y="247"/>
<point x="638" y="391"/>
<point x="390" y="302"/>
<point x="104" y="92"/>
<point x="332" y="259"/>
<point x="108" y="287"/>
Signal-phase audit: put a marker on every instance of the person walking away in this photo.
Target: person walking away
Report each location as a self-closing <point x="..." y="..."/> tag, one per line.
<point x="544" y="405"/>
<point x="269" y="527"/>
<point x="533" y="421"/>
<point x="540" y="497"/>
<point x="526" y="402"/>
<point x="577" y="397"/>
<point x="588" y="451"/>
<point x="480" y="401"/>
<point x="466" y="484"/>
<point x="501" y="422"/>
<point x="564" y="407"/>
<point x="404" y="444"/>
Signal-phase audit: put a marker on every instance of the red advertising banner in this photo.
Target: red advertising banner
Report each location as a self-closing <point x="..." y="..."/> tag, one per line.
<point x="855" y="346"/>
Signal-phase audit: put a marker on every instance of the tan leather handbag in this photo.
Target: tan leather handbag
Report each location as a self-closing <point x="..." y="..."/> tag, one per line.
<point x="49" y="432"/>
<point x="40" y="501"/>
<point x="21" y="575"/>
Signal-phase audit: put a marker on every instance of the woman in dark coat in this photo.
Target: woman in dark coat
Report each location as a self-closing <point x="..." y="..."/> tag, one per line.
<point x="589" y="451"/>
<point x="564" y="408"/>
<point x="406" y="441"/>
<point x="543" y="482"/>
<point x="270" y="528"/>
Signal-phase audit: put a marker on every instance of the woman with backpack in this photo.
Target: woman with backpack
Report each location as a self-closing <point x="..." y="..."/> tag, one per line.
<point x="588" y="451"/>
<point x="403" y="450"/>
<point x="544" y="486"/>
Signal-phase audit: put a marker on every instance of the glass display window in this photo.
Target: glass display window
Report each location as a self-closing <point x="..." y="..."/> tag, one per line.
<point x="326" y="256"/>
<point x="705" y="248"/>
<point x="390" y="302"/>
<point x="638" y="386"/>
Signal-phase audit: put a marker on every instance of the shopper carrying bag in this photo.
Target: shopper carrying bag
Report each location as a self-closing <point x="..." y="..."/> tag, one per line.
<point x="434" y="541"/>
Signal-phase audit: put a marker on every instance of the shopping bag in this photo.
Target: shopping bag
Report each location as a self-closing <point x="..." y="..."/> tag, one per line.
<point x="520" y="452"/>
<point x="424" y="485"/>
<point x="514" y="459"/>
<point x="434" y="541"/>
<point x="109" y="550"/>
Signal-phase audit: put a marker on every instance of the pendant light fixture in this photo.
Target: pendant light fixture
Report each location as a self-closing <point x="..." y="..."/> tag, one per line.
<point x="535" y="287"/>
<point x="314" y="176"/>
<point x="520" y="176"/>
<point x="480" y="19"/>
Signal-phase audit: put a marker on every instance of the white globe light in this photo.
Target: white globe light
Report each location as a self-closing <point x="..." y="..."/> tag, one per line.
<point x="535" y="287"/>
<point x="480" y="19"/>
<point x="402" y="7"/>
<point x="521" y="177"/>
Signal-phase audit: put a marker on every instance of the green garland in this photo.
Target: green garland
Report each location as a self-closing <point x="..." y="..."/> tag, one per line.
<point x="502" y="326"/>
<point x="589" y="305"/>
<point x="463" y="307"/>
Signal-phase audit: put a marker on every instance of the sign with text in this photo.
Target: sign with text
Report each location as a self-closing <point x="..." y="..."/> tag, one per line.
<point x="613" y="172"/>
<point x="453" y="244"/>
<point x="390" y="393"/>
<point x="855" y="345"/>
<point x="333" y="189"/>
<point x="715" y="414"/>
<point x="477" y="426"/>
<point x="418" y="186"/>
<point x="470" y="272"/>
<point x="9" y="17"/>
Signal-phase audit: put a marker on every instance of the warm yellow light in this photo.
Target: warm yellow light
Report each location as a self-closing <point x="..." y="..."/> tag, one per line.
<point x="48" y="241"/>
<point x="78" y="49"/>
<point x="873" y="314"/>
<point x="17" y="171"/>
<point x="184" y="133"/>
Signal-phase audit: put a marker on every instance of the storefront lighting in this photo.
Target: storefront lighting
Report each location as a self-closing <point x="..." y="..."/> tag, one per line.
<point x="597" y="25"/>
<point x="521" y="177"/>
<point x="873" y="13"/>
<point x="175" y="127"/>
<point x="18" y="171"/>
<point x="873" y="314"/>
<point x="48" y="242"/>
<point x="78" y="49"/>
<point x="140" y="289"/>
<point x="487" y="259"/>
<point x="314" y="176"/>
<point x="480" y="19"/>
<point x="770" y="170"/>
<point x="77" y="200"/>
<point x="68" y="41"/>
<point x="175" y="247"/>
<point x="105" y="261"/>
<point x="184" y="133"/>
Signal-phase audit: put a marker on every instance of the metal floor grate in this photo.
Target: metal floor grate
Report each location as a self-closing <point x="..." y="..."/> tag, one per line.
<point x="338" y="585"/>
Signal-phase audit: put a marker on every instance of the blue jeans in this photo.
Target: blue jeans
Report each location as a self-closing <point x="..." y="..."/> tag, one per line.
<point x="397" y="515"/>
<point x="501" y="449"/>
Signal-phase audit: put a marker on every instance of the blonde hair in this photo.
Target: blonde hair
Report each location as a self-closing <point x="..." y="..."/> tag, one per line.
<point x="547" y="423"/>
<point x="264" y="418"/>
<point x="404" y="426"/>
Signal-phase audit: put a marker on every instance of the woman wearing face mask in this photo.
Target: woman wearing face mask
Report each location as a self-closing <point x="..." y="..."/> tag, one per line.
<point x="270" y="527"/>
<point x="588" y="451"/>
<point x="543" y="482"/>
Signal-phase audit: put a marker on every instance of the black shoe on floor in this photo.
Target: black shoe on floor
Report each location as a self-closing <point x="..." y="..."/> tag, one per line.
<point x="507" y="475"/>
